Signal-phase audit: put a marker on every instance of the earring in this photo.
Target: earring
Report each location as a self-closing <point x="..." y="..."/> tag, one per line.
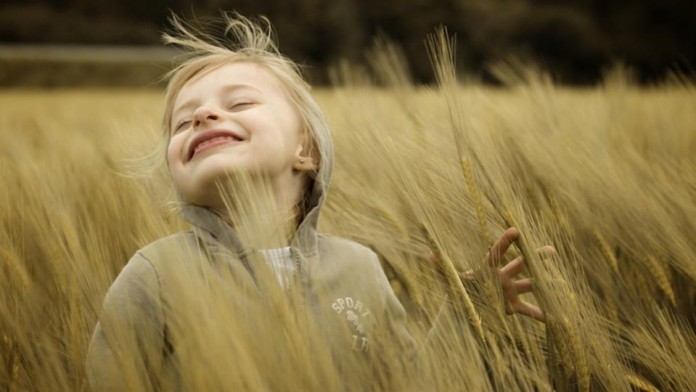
<point x="302" y="161"/>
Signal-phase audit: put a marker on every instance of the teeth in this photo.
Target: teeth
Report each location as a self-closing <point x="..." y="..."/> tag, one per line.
<point x="213" y="140"/>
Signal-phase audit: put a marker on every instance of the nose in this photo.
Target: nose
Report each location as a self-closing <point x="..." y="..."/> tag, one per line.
<point x="203" y="115"/>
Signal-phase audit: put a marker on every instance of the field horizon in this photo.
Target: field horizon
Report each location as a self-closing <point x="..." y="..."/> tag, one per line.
<point x="606" y="174"/>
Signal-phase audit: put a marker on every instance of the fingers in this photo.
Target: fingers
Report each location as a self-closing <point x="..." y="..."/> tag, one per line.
<point x="513" y="268"/>
<point x="524" y="286"/>
<point x="501" y="246"/>
<point x="530" y="310"/>
<point x="498" y="250"/>
<point x="546" y="251"/>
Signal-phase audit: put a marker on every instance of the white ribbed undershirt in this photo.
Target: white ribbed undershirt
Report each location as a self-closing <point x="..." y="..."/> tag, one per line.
<point x="282" y="263"/>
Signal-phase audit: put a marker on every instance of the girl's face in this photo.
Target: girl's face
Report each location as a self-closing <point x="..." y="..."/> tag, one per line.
<point x="235" y="117"/>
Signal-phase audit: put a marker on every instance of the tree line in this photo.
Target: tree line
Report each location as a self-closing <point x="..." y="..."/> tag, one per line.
<point x="575" y="40"/>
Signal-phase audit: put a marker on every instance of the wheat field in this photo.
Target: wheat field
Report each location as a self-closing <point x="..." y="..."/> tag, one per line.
<point x="606" y="174"/>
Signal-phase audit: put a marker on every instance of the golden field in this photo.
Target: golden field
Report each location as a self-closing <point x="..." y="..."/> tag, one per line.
<point x="605" y="174"/>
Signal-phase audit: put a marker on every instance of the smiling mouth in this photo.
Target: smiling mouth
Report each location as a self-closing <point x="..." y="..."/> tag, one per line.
<point x="212" y="143"/>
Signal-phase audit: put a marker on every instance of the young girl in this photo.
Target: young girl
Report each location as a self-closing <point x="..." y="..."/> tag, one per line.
<point x="250" y="156"/>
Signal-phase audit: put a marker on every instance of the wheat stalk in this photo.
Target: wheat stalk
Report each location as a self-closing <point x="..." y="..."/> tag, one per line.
<point x="641" y="383"/>
<point x="476" y="199"/>
<point x="453" y="280"/>
<point x="606" y="250"/>
<point x="660" y="276"/>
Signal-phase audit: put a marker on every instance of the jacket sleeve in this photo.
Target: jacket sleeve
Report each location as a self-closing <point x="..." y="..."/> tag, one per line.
<point x="449" y="328"/>
<point x="126" y="349"/>
<point x="399" y="347"/>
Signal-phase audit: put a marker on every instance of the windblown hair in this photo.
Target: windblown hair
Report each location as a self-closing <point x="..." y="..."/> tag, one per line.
<point x="249" y="41"/>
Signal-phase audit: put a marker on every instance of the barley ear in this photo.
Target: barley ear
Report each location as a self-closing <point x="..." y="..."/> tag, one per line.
<point x="606" y="250"/>
<point x="455" y="283"/>
<point x="640" y="383"/>
<point x="660" y="276"/>
<point x="476" y="199"/>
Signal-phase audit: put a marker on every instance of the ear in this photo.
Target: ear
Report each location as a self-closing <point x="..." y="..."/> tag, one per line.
<point x="303" y="162"/>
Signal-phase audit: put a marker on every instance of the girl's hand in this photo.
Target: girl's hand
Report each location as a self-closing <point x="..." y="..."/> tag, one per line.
<point x="512" y="287"/>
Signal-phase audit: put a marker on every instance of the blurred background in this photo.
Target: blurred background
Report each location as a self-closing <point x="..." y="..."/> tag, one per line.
<point x="46" y="43"/>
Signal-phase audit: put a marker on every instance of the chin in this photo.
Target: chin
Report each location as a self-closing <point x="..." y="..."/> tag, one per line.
<point x="217" y="167"/>
<point x="202" y="185"/>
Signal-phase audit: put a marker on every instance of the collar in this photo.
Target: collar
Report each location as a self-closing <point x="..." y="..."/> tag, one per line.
<point x="305" y="240"/>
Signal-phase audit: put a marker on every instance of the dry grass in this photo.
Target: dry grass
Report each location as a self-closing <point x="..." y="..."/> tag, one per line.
<point x="607" y="175"/>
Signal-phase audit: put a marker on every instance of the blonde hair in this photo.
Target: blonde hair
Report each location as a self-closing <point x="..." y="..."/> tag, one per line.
<point x="251" y="42"/>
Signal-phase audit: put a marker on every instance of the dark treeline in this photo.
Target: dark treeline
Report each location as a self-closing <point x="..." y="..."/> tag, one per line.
<point x="576" y="40"/>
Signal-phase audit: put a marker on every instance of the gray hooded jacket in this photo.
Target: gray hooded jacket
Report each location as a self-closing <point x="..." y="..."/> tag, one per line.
<point x="344" y="289"/>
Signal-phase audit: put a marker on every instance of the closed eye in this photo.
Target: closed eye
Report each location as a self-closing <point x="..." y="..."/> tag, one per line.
<point x="182" y="125"/>
<point x="241" y="105"/>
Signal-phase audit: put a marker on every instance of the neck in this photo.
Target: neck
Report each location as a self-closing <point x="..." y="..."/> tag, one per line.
<point x="264" y="214"/>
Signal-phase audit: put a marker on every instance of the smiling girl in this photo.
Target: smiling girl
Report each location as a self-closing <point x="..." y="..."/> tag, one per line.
<point x="250" y="157"/>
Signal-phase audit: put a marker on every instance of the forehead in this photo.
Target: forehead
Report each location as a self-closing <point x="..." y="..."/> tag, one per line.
<point x="238" y="74"/>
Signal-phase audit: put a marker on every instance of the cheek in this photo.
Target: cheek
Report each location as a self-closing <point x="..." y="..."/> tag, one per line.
<point x="174" y="162"/>
<point x="173" y="150"/>
<point x="289" y="134"/>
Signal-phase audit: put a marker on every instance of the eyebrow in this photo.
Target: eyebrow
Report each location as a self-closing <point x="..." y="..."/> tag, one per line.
<point x="224" y="90"/>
